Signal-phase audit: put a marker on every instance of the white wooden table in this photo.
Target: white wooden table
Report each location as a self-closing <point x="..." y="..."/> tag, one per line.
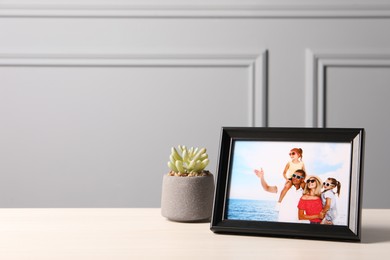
<point x="145" y="234"/>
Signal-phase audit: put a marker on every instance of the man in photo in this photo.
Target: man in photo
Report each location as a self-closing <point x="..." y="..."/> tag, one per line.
<point x="288" y="208"/>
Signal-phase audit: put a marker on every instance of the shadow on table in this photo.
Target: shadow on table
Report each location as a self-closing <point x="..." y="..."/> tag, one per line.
<point x="375" y="234"/>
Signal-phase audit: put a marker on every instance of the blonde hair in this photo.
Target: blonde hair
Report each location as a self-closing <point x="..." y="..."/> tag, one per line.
<point x="317" y="191"/>
<point x="336" y="184"/>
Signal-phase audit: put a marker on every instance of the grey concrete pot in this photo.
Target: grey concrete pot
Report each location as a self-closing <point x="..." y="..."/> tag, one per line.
<point x="187" y="199"/>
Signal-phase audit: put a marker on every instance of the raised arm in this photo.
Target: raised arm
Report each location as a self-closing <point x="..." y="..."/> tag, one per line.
<point x="264" y="184"/>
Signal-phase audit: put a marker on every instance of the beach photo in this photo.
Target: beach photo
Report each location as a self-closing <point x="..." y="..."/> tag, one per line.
<point x="290" y="182"/>
<point x="324" y="162"/>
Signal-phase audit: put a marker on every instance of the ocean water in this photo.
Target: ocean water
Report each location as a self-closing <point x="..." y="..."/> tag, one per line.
<point x="263" y="210"/>
<point x="257" y="210"/>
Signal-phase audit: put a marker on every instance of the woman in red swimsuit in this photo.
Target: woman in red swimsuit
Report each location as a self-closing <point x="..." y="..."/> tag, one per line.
<point x="310" y="205"/>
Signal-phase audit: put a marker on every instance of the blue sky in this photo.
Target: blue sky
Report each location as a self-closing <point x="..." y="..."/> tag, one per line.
<point x="321" y="159"/>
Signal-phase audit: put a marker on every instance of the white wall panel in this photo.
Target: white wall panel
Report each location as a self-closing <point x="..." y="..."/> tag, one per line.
<point x="317" y="64"/>
<point x="113" y="72"/>
<point x="96" y="131"/>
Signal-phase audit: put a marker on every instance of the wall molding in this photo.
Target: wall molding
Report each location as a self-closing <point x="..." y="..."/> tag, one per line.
<point x="202" y="10"/>
<point x="316" y="64"/>
<point x="255" y="63"/>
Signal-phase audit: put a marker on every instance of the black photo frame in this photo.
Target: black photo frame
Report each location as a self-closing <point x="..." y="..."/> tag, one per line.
<point x="240" y="204"/>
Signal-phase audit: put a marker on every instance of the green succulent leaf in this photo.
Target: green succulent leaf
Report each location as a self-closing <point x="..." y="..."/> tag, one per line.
<point x="179" y="166"/>
<point x="172" y="167"/>
<point x="190" y="161"/>
<point x="176" y="155"/>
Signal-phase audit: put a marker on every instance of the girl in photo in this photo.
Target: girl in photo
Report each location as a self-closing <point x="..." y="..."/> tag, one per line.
<point x="291" y="167"/>
<point x="328" y="197"/>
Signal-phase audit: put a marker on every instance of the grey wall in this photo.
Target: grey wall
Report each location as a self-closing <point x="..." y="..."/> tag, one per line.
<point x="94" y="93"/>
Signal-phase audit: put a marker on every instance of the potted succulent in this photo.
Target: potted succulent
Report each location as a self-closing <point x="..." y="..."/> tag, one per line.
<point x="188" y="189"/>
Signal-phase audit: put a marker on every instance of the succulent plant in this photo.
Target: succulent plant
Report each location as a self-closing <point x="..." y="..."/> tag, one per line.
<point x="188" y="162"/>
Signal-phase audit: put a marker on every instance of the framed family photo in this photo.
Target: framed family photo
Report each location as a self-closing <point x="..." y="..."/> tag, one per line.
<point x="290" y="182"/>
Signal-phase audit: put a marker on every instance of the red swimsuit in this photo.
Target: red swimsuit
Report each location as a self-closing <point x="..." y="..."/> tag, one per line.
<point x="311" y="207"/>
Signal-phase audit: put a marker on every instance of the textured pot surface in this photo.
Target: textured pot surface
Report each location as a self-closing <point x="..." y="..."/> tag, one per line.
<point x="187" y="199"/>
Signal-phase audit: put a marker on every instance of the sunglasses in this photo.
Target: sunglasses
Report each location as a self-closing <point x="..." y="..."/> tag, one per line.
<point x="293" y="153"/>
<point x="297" y="176"/>
<point x="311" y="180"/>
<point x="327" y="184"/>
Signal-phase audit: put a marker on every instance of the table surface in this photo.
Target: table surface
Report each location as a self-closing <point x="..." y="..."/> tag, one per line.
<point x="144" y="234"/>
